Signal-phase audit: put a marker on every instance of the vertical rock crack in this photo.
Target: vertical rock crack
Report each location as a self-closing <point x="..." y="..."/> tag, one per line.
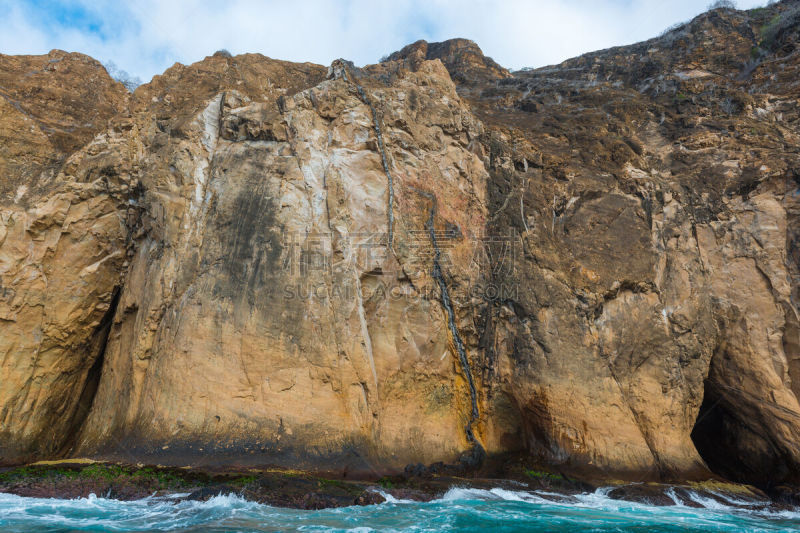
<point x="382" y="150"/>
<point x="451" y="320"/>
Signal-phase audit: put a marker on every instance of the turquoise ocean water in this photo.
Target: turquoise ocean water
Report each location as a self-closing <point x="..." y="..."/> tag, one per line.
<point x="496" y="510"/>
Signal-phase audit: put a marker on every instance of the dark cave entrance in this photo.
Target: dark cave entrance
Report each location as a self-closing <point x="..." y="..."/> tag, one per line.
<point x="733" y="443"/>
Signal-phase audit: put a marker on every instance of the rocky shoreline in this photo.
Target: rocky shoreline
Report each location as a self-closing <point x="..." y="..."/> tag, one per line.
<point x="295" y="489"/>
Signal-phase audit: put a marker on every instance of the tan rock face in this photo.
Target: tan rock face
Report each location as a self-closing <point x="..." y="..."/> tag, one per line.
<point x="63" y="231"/>
<point x="656" y="204"/>
<point x="594" y="264"/>
<point x="50" y="106"/>
<point x="462" y="57"/>
<point x="268" y="275"/>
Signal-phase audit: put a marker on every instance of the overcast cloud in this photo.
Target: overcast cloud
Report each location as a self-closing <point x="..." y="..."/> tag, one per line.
<point x="147" y="36"/>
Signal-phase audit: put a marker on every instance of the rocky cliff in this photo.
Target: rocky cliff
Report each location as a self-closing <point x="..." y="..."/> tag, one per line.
<point x="594" y="265"/>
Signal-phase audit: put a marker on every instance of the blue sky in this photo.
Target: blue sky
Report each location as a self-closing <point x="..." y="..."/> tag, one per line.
<point x="145" y="37"/>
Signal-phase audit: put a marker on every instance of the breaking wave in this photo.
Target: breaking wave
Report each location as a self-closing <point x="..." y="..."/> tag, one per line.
<point x="460" y="509"/>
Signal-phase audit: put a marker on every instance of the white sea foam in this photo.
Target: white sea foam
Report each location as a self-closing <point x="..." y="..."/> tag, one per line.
<point x="391" y="499"/>
<point x="670" y="492"/>
<point x="709" y="503"/>
<point x="481" y="508"/>
<point x="599" y="499"/>
<point x="738" y="502"/>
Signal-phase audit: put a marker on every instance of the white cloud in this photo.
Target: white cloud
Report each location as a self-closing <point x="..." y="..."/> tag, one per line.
<point x="147" y="36"/>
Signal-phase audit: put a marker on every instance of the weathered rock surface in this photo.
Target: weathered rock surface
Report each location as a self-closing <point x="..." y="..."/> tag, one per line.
<point x="267" y="273"/>
<point x="249" y="261"/>
<point x="655" y="189"/>
<point x="63" y="236"/>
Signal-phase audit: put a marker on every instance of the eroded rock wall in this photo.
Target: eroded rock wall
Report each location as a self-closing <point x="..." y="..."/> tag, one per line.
<point x="654" y="190"/>
<point x="63" y="242"/>
<point x="593" y="264"/>
<point x="267" y="317"/>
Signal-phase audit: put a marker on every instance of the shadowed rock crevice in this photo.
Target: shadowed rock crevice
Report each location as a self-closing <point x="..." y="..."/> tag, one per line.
<point x="92" y="381"/>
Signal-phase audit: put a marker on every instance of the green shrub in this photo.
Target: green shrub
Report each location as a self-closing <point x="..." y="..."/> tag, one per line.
<point x="536" y="474"/>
